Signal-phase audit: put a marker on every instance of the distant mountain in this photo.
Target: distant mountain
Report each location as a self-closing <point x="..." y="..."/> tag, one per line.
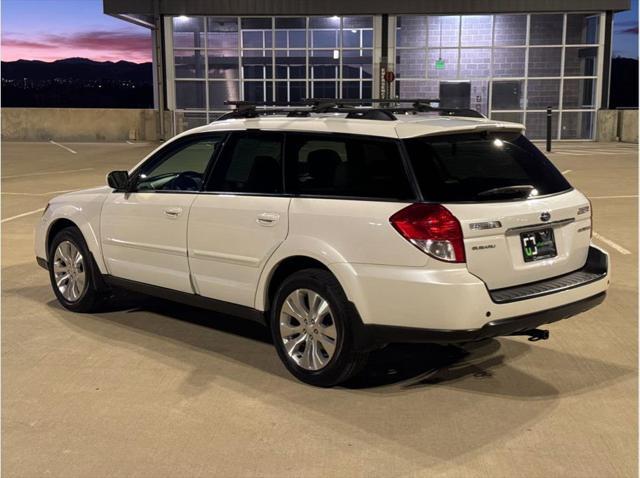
<point x="77" y="83"/>
<point x="77" y="69"/>
<point x="624" y="83"/>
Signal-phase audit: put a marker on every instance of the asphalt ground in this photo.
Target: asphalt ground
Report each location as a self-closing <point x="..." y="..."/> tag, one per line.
<point x="163" y="390"/>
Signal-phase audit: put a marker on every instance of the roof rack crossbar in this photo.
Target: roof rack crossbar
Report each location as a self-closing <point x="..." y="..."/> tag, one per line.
<point x="353" y="108"/>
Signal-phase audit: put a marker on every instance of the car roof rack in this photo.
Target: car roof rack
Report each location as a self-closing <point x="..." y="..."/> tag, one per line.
<point x="373" y="109"/>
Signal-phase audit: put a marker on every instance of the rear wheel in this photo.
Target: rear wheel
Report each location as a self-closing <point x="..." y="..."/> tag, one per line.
<point x="72" y="272"/>
<point x="311" y="324"/>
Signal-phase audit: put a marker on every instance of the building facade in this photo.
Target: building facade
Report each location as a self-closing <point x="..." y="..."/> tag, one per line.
<point x="508" y="60"/>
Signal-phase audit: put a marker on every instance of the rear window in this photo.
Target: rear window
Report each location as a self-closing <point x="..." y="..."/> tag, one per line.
<point x="482" y="167"/>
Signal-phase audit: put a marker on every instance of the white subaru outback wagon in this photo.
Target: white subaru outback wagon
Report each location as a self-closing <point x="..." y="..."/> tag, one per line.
<point x="341" y="230"/>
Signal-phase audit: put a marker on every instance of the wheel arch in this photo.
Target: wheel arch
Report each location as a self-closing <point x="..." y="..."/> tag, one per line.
<point x="64" y="219"/>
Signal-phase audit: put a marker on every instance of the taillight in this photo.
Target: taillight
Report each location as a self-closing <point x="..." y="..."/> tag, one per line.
<point x="432" y="229"/>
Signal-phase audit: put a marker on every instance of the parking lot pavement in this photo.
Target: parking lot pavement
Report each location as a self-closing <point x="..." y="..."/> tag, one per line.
<point x="162" y="390"/>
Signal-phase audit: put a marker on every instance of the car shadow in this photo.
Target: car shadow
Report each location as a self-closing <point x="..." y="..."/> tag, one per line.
<point x="397" y="368"/>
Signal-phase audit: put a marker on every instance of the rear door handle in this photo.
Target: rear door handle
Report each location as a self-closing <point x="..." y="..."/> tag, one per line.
<point x="173" y="212"/>
<point x="268" y="218"/>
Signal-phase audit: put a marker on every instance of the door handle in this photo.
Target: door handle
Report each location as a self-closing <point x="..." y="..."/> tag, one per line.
<point x="268" y="218"/>
<point x="173" y="212"/>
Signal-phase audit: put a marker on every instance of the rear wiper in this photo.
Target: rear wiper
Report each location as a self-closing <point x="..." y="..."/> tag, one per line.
<point x="519" y="188"/>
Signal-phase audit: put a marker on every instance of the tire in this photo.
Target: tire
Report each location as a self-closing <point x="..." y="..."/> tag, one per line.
<point x="319" y="352"/>
<point x="87" y="295"/>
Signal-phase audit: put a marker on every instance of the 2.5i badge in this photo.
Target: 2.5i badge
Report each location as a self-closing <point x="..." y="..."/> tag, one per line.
<point x="537" y="245"/>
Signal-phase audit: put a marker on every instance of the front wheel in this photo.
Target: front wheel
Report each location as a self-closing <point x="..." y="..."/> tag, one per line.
<point x="311" y="324"/>
<point x="72" y="272"/>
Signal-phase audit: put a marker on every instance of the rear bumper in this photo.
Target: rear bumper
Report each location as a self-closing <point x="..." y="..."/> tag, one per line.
<point x="452" y="305"/>
<point x="372" y="336"/>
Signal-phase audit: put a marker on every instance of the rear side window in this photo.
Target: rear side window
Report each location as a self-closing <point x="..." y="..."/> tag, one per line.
<point x="345" y="166"/>
<point x="250" y="163"/>
<point x="482" y="167"/>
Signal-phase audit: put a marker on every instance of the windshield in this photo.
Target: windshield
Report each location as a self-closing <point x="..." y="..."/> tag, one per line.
<point x="487" y="166"/>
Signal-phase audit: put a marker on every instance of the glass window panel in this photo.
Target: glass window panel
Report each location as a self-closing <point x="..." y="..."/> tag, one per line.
<point x="411" y="63"/>
<point x="190" y="95"/>
<point x="221" y="91"/>
<point x="282" y="40"/>
<point x="257" y="64"/>
<point x="476" y="30"/>
<point x="581" y="61"/>
<point x="324" y="22"/>
<point x="537" y="125"/>
<point x="261" y="23"/>
<point x="578" y="125"/>
<point x="510" y="30"/>
<point x="258" y="91"/>
<point x="443" y="31"/>
<point x="582" y="28"/>
<point x="579" y="94"/>
<point x="322" y="64"/>
<point x="286" y="23"/>
<point x="546" y="29"/>
<point x="290" y="91"/>
<point x="297" y="39"/>
<point x="351" y="38"/>
<point x="544" y="61"/>
<point x="475" y="63"/>
<point x="193" y="119"/>
<point x="450" y="67"/>
<point x="324" y="38"/>
<point x="222" y="32"/>
<point x="251" y="39"/>
<point x="189" y="63"/>
<point x="507" y="95"/>
<point x="223" y="64"/>
<point x="509" y="117"/>
<point x="367" y="38"/>
<point x="411" y="31"/>
<point x="188" y="32"/>
<point x="417" y="89"/>
<point x="290" y="63"/>
<point x="357" y="64"/>
<point x="542" y="94"/>
<point x="357" y="22"/>
<point x="323" y="89"/>
<point x="508" y="62"/>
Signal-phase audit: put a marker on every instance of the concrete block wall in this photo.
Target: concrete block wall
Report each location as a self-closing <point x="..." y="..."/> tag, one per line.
<point x="617" y="125"/>
<point x="83" y="124"/>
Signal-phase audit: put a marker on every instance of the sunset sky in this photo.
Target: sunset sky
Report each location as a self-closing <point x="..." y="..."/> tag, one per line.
<point x="53" y="29"/>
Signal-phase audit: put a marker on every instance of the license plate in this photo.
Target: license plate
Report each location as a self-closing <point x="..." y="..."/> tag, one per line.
<point x="538" y="245"/>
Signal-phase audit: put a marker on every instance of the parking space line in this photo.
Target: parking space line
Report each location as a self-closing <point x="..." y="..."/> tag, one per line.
<point x="46" y="173"/>
<point x="28" y="213"/>
<point x="10" y="193"/>
<point x="614" y="197"/>
<point x="612" y="244"/>
<point x="63" y="146"/>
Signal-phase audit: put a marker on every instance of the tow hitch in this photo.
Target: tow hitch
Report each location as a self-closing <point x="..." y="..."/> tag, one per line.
<point x="534" y="334"/>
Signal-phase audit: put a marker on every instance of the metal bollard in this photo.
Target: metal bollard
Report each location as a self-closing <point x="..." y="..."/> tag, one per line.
<point x="549" y="116"/>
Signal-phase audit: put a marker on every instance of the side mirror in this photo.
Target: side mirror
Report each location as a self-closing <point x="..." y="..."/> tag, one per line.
<point x="118" y="179"/>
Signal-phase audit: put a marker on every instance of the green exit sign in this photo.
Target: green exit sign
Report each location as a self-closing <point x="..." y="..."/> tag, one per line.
<point x="439" y="64"/>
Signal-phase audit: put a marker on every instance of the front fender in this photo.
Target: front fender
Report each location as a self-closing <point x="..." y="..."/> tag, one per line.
<point x="85" y="214"/>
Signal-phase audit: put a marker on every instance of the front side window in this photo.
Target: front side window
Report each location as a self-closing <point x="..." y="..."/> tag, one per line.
<point x="180" y="168"/>
<point x="251" y="163"/>
<point x="482" y="167"/>
<point x="320" y="165"/>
